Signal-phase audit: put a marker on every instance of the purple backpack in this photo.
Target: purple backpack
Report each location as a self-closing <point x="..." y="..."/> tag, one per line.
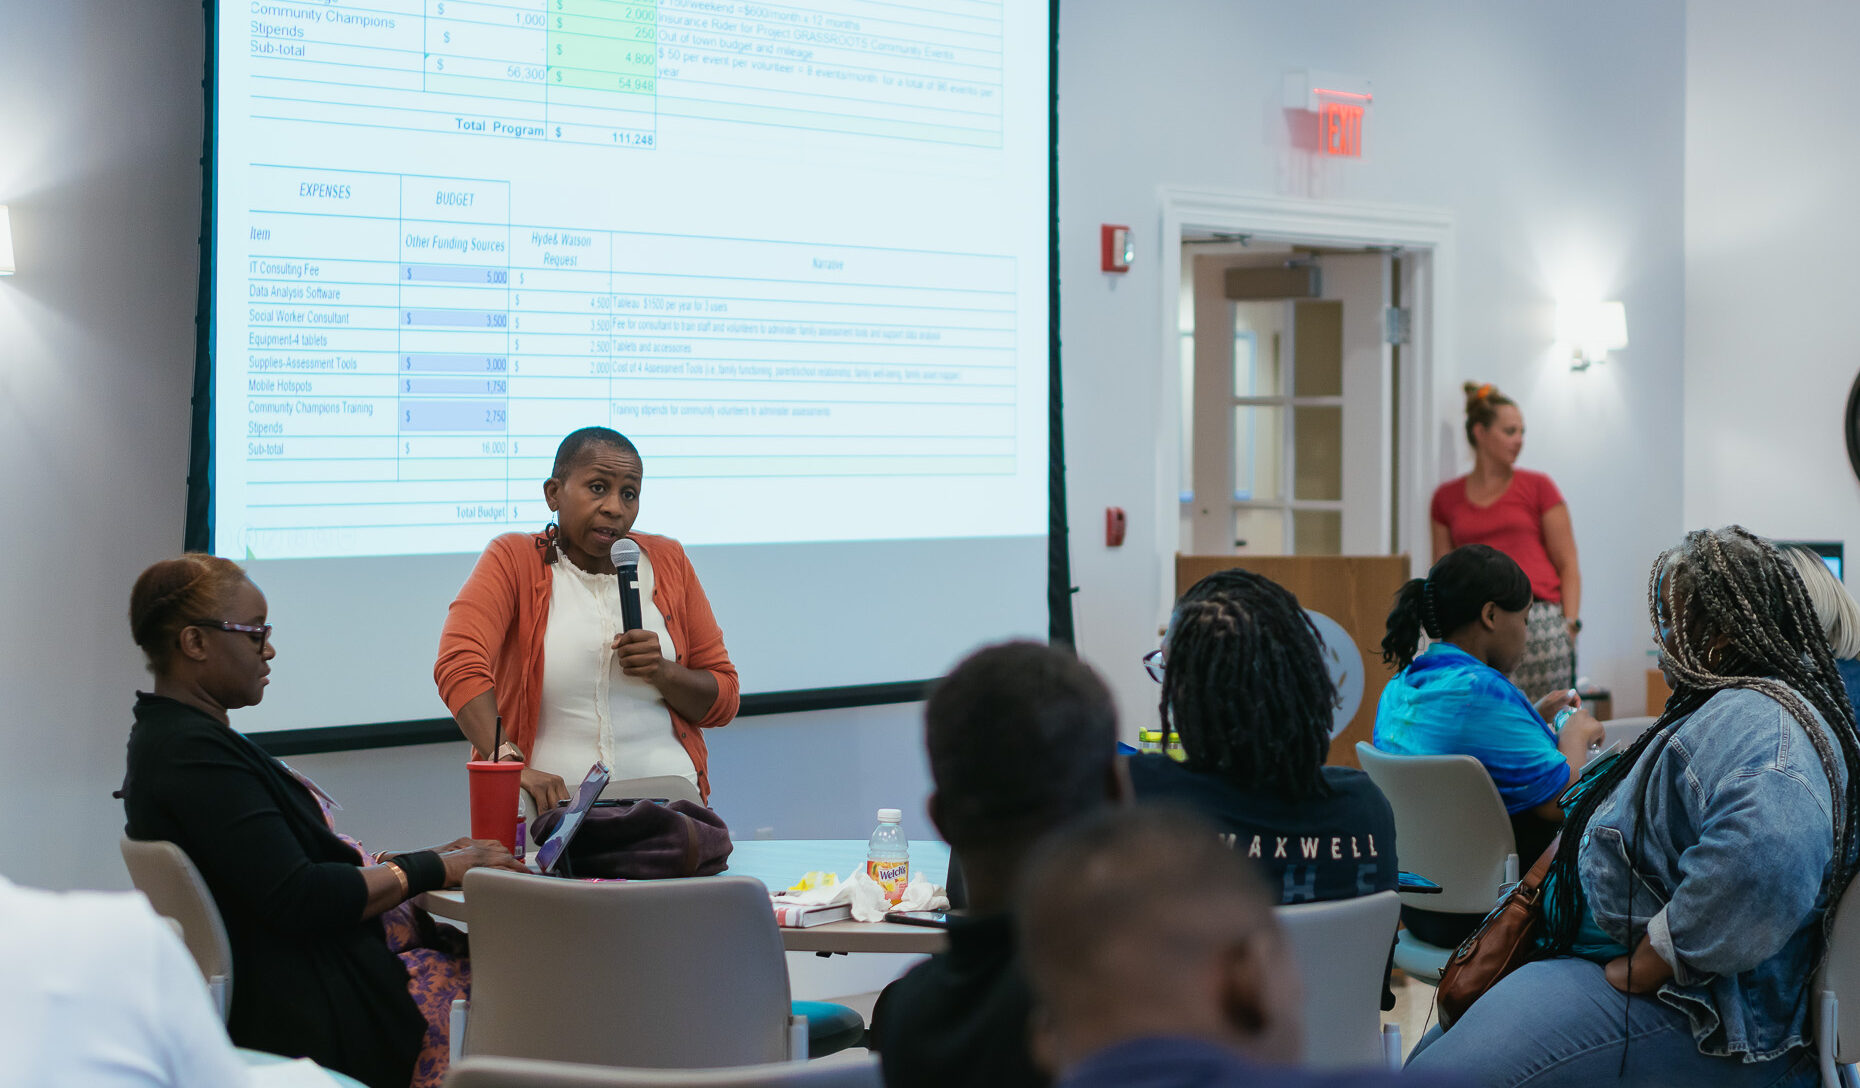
<point x="643" y="840"/>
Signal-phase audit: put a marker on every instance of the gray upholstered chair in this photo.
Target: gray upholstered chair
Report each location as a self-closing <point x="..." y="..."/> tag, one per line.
<point x="1837" y="998"/>
<point x="1342" y="949"/>
<point x="652" y="974"/>
<point x="848" y="1072"/>
<point x="1624" y="730"/>
<point x="668" y="787"/>
<point x="1450" y="827"/>
<point x="164" y="873"/>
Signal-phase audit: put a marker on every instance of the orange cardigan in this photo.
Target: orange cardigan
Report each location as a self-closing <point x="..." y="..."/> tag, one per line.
<point x="493" y="637"/>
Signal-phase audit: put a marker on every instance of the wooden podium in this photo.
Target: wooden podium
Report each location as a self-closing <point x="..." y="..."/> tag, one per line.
<point x="1356" y="591"/>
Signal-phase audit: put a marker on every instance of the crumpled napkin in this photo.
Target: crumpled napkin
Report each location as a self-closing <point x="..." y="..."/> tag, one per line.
<point x="921" y="894"/>
<point x="867" y="898"/>
<point x="870" y="905"/>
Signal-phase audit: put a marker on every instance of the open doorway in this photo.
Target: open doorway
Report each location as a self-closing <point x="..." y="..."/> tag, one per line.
<point x="1301" y="340"/>
<point x="1289" y="359"/>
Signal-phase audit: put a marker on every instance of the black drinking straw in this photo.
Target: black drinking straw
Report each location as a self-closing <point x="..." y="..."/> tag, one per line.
<point x="497" y="742"/>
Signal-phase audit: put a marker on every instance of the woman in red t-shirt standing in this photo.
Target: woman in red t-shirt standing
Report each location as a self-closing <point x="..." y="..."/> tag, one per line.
<point x="1522" y="514"/>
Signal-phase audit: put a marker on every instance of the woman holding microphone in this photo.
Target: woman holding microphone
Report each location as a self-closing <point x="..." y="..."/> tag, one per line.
<point x="536" y="636"/>
<point x="1522" y="514"/>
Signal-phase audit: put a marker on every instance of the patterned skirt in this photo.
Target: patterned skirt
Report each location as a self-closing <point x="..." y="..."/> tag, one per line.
<point x="1549" y="661"/>
<point x="438" y="962"/>
<point x="438" y="973"/>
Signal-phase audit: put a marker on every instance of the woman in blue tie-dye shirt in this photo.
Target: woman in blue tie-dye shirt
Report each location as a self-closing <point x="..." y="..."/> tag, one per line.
<point x="1454" y="699"/>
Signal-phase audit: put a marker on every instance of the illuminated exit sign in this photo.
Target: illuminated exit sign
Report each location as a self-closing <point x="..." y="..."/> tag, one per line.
<point x="1329" y="112"/>
<point x="1340" y="129"/>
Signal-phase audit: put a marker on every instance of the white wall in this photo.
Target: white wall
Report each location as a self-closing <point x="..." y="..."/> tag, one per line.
<point x="101" y="170"/>
<point x="1550" y="132"/>
<point x="99" y="162"/>
<point x="1771" y="245"/>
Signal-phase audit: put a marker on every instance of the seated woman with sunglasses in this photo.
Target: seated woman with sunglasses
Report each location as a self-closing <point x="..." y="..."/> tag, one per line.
<point x="314" y="975"/>
<point x="1245" y="687"/>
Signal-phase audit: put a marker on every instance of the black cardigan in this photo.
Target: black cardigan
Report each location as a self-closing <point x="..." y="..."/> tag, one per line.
<point x="310" y="977"/>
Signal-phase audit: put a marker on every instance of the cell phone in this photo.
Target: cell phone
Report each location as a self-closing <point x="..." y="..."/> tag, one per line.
<point x="617" y="801"/>
<point x="935" y="919"/>
<point x="1410" y="882"/>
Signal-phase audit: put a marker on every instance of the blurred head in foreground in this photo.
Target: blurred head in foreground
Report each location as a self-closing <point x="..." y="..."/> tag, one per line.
<point x="1140" y="923"/>
<point x="1022" y="737"/>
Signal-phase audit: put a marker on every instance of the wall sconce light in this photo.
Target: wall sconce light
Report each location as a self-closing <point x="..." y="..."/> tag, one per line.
<point x="1592" y="330"/>
<point x="6" y="243"/>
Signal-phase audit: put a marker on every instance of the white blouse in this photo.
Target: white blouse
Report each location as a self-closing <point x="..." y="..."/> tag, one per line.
<point x="591" y="710"/>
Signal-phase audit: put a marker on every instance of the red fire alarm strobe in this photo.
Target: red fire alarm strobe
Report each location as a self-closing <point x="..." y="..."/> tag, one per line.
<point x="1116" y="247"/>
<point x="1113" y="526"/>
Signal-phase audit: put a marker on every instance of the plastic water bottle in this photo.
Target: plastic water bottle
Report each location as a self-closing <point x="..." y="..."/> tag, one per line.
<point x="888" y="855"/>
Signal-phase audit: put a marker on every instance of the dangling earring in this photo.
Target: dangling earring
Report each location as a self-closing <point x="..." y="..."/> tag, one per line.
<point x="550" y="535"/>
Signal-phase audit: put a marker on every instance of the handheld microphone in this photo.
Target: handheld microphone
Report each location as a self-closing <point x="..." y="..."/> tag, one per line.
<point x="625" y="555"/>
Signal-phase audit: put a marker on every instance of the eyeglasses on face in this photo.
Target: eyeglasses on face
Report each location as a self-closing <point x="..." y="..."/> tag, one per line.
<point x="1153" y="661"/>
<point x="260" y="633"/>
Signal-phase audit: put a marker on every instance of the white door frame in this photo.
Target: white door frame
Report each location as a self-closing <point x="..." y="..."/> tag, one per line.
<point x="1427" y="232"/>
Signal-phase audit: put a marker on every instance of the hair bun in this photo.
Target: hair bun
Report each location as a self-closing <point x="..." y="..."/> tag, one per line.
<point x="1483" y="400"/>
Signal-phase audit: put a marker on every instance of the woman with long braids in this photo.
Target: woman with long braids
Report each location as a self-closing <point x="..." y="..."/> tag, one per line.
<point x="1688" y="903"/>
<point x="1245" y="688"/>
<point x="1454" y="699"/>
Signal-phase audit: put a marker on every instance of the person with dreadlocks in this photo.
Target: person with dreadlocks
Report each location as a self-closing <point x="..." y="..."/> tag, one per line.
<point x="1454" y="699"/>
<point x="1245" y="688"/>
<point x="1688" y="903"/>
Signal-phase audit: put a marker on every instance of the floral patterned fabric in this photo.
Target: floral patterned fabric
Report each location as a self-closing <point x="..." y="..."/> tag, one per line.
<point x="437" y="959"/>
<point x="438" y="973"/>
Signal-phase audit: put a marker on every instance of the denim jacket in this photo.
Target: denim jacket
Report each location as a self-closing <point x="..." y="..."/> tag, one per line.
<point x="1727" y="874"/>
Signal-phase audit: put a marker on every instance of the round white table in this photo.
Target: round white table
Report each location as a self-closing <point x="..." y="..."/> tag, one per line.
<point x="780" y="863"/>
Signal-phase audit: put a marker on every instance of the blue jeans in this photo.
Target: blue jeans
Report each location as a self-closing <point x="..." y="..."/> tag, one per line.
<point x="1558" y="1022"/>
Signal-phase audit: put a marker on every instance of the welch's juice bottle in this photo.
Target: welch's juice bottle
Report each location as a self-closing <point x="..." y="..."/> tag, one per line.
<point x="888" y="855"/>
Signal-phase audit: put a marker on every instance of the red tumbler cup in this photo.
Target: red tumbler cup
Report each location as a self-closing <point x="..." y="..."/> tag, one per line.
<point x="494" y="800"/>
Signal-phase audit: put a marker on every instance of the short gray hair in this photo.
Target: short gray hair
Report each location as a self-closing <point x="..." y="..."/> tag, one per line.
<point x="1834" y="606"/>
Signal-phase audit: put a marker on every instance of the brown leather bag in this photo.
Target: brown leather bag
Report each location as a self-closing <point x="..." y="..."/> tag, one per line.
<point x="1504" y="942"/>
